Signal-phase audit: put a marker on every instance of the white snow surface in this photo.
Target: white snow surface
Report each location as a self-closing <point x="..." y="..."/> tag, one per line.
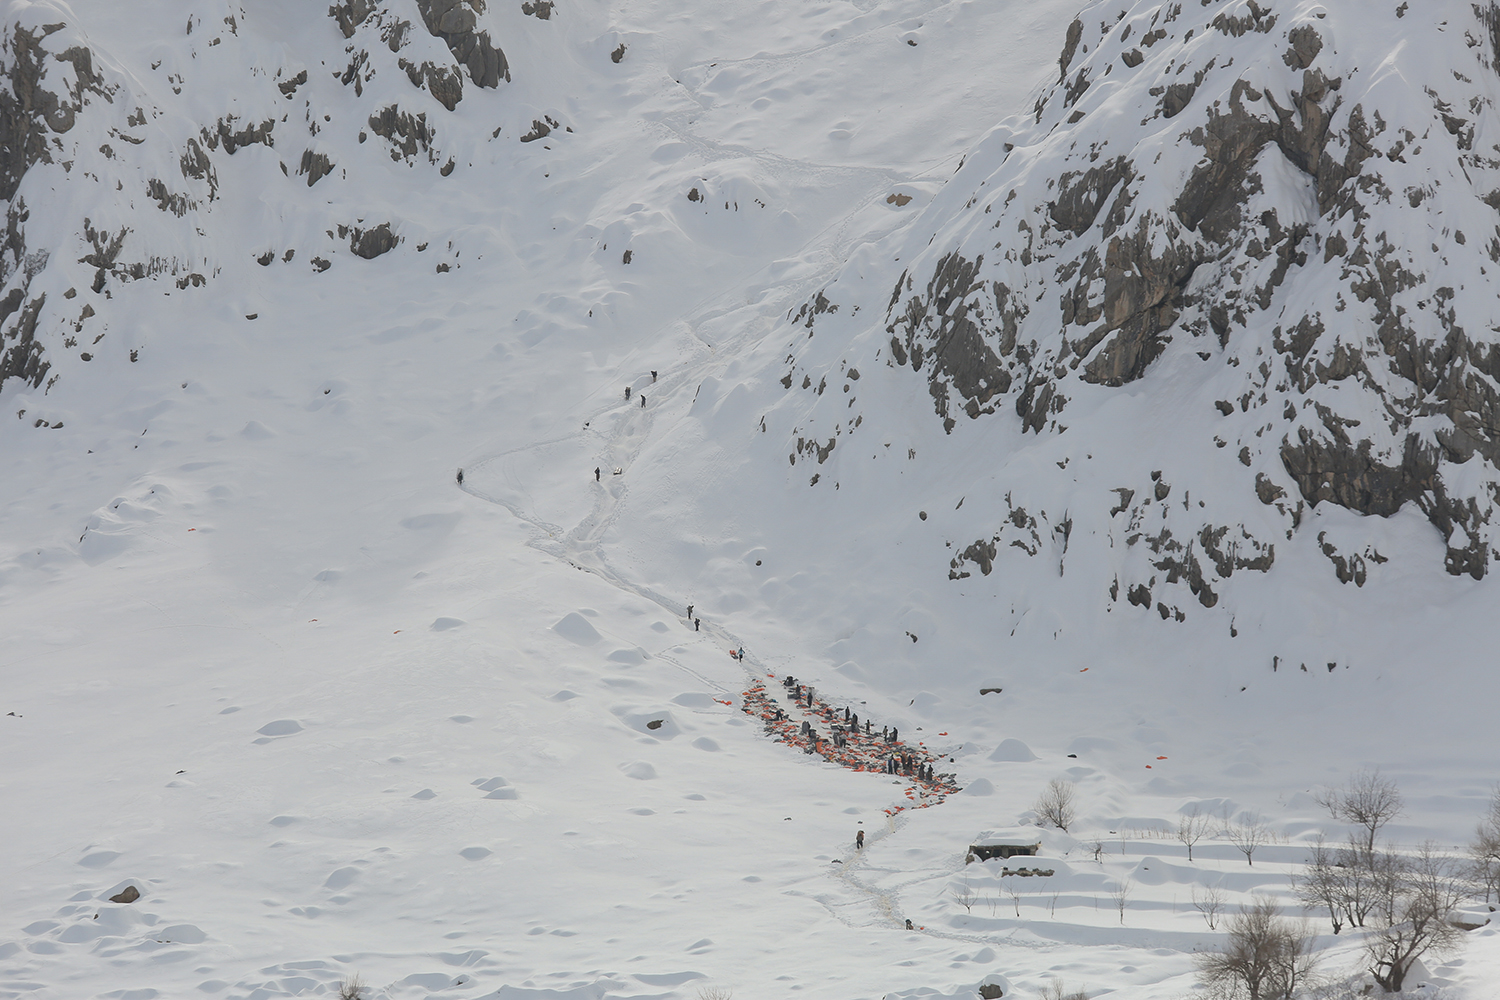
<point x="333" y="713"/>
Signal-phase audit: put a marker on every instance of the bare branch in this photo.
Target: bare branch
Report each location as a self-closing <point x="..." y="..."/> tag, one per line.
<point x="1192" y="828"/>
<point x="1209" y="901"/>
<point x="1249" y="836"/>
<point x="1369" y="800"/>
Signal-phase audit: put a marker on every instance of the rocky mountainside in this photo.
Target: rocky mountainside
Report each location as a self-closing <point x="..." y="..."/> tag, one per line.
<point x="149" y="162"/>
<point x="1277" y="222"/>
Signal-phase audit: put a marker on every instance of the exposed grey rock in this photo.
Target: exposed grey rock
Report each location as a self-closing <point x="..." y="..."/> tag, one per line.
<point x="28" y="111"/>
<point x="454" y="22"/>
<point x="944" y="326"/>
<point x="315" y="165"/>
<point x="408" y="134"/>
<point x="371" y="243"/>
<point x="168" y="201"/>
<point x="22" y="354"/>
<point x="289" y="87"/>
<point x="540" y="129"/>
<point x="233" y="138"/>
<point x="350" y="14"/>
<point x="446" y="83"/>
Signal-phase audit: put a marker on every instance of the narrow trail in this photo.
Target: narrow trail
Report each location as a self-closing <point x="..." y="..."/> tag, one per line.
<point x="582" y="548"/>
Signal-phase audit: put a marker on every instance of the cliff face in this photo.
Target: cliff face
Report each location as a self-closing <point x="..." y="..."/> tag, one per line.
<point x="1272" y="218"/>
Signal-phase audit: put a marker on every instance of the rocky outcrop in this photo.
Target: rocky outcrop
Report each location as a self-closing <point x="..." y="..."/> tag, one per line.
<point x="408" y="134"/>
<point x="454" y="22"/>
<point x="29" y="111"/>
<point x="370" y="243"/>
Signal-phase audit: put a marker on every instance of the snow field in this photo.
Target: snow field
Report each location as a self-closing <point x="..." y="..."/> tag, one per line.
<point x="413" y="722"/>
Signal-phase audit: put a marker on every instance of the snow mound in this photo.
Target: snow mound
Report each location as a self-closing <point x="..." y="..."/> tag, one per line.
<point x="1013" y="750"/>
<point x="575" y="628"/>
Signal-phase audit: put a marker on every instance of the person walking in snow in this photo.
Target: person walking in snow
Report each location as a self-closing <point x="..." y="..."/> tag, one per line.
<point x="653" y="376"/>
<point x="696" y="623"/>
<point x="859" y="841"/>
<point x="643" y="400"/>
<point x="690" y="611"/>
<point x="460" y="477"/>
<point x="627" y="393"/>
<point x="596" y="473"/>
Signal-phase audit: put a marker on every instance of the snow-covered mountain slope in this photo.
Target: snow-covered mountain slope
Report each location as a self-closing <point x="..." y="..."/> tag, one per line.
<point x="1100" y="293"/>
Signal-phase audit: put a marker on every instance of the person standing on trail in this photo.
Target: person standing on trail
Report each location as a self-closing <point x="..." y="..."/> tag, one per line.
<point x="653" y="376"/>
<point x="894" y="737"/>
<point x="859" y="841"/>
<point x="868" y="727"/>
<point x="696" y="623"/>
<point x="643" y="400"/>
<point x="885" y="734"/>
<point x="460" y="477"/>
<point x="856" y="723"/>
<point x="909" y="925"/>
<point x="627" y="392"/>
<point x="690" y="611"/>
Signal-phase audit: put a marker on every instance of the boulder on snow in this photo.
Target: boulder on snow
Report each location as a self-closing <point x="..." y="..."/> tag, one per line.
<point x="129" y="894"/>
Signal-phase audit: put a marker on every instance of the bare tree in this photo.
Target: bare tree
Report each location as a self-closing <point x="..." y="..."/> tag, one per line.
<point x="1015" y="899"/>
<point x="1322" y="883"/>
<point x="1369" y="801"/>
<point x="352" y="988"/>
<point x="1055" y="804"/>
<point x="1249" y="836"/>
<point x="1484" y="850"/>
<point x="1268" y="957"/>
<point x="1415" y="918"/>
<point x="1209" y="900"/>
<point x="1121" y="896"/>
<point x="1192" y="828"/>
<point x="1098" y="848"/>
<point x="964" y="896"/>
<point x="1055" y="990"/>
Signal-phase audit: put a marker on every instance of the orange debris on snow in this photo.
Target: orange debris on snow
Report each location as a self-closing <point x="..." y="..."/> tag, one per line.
<point x="862" y="750"/>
